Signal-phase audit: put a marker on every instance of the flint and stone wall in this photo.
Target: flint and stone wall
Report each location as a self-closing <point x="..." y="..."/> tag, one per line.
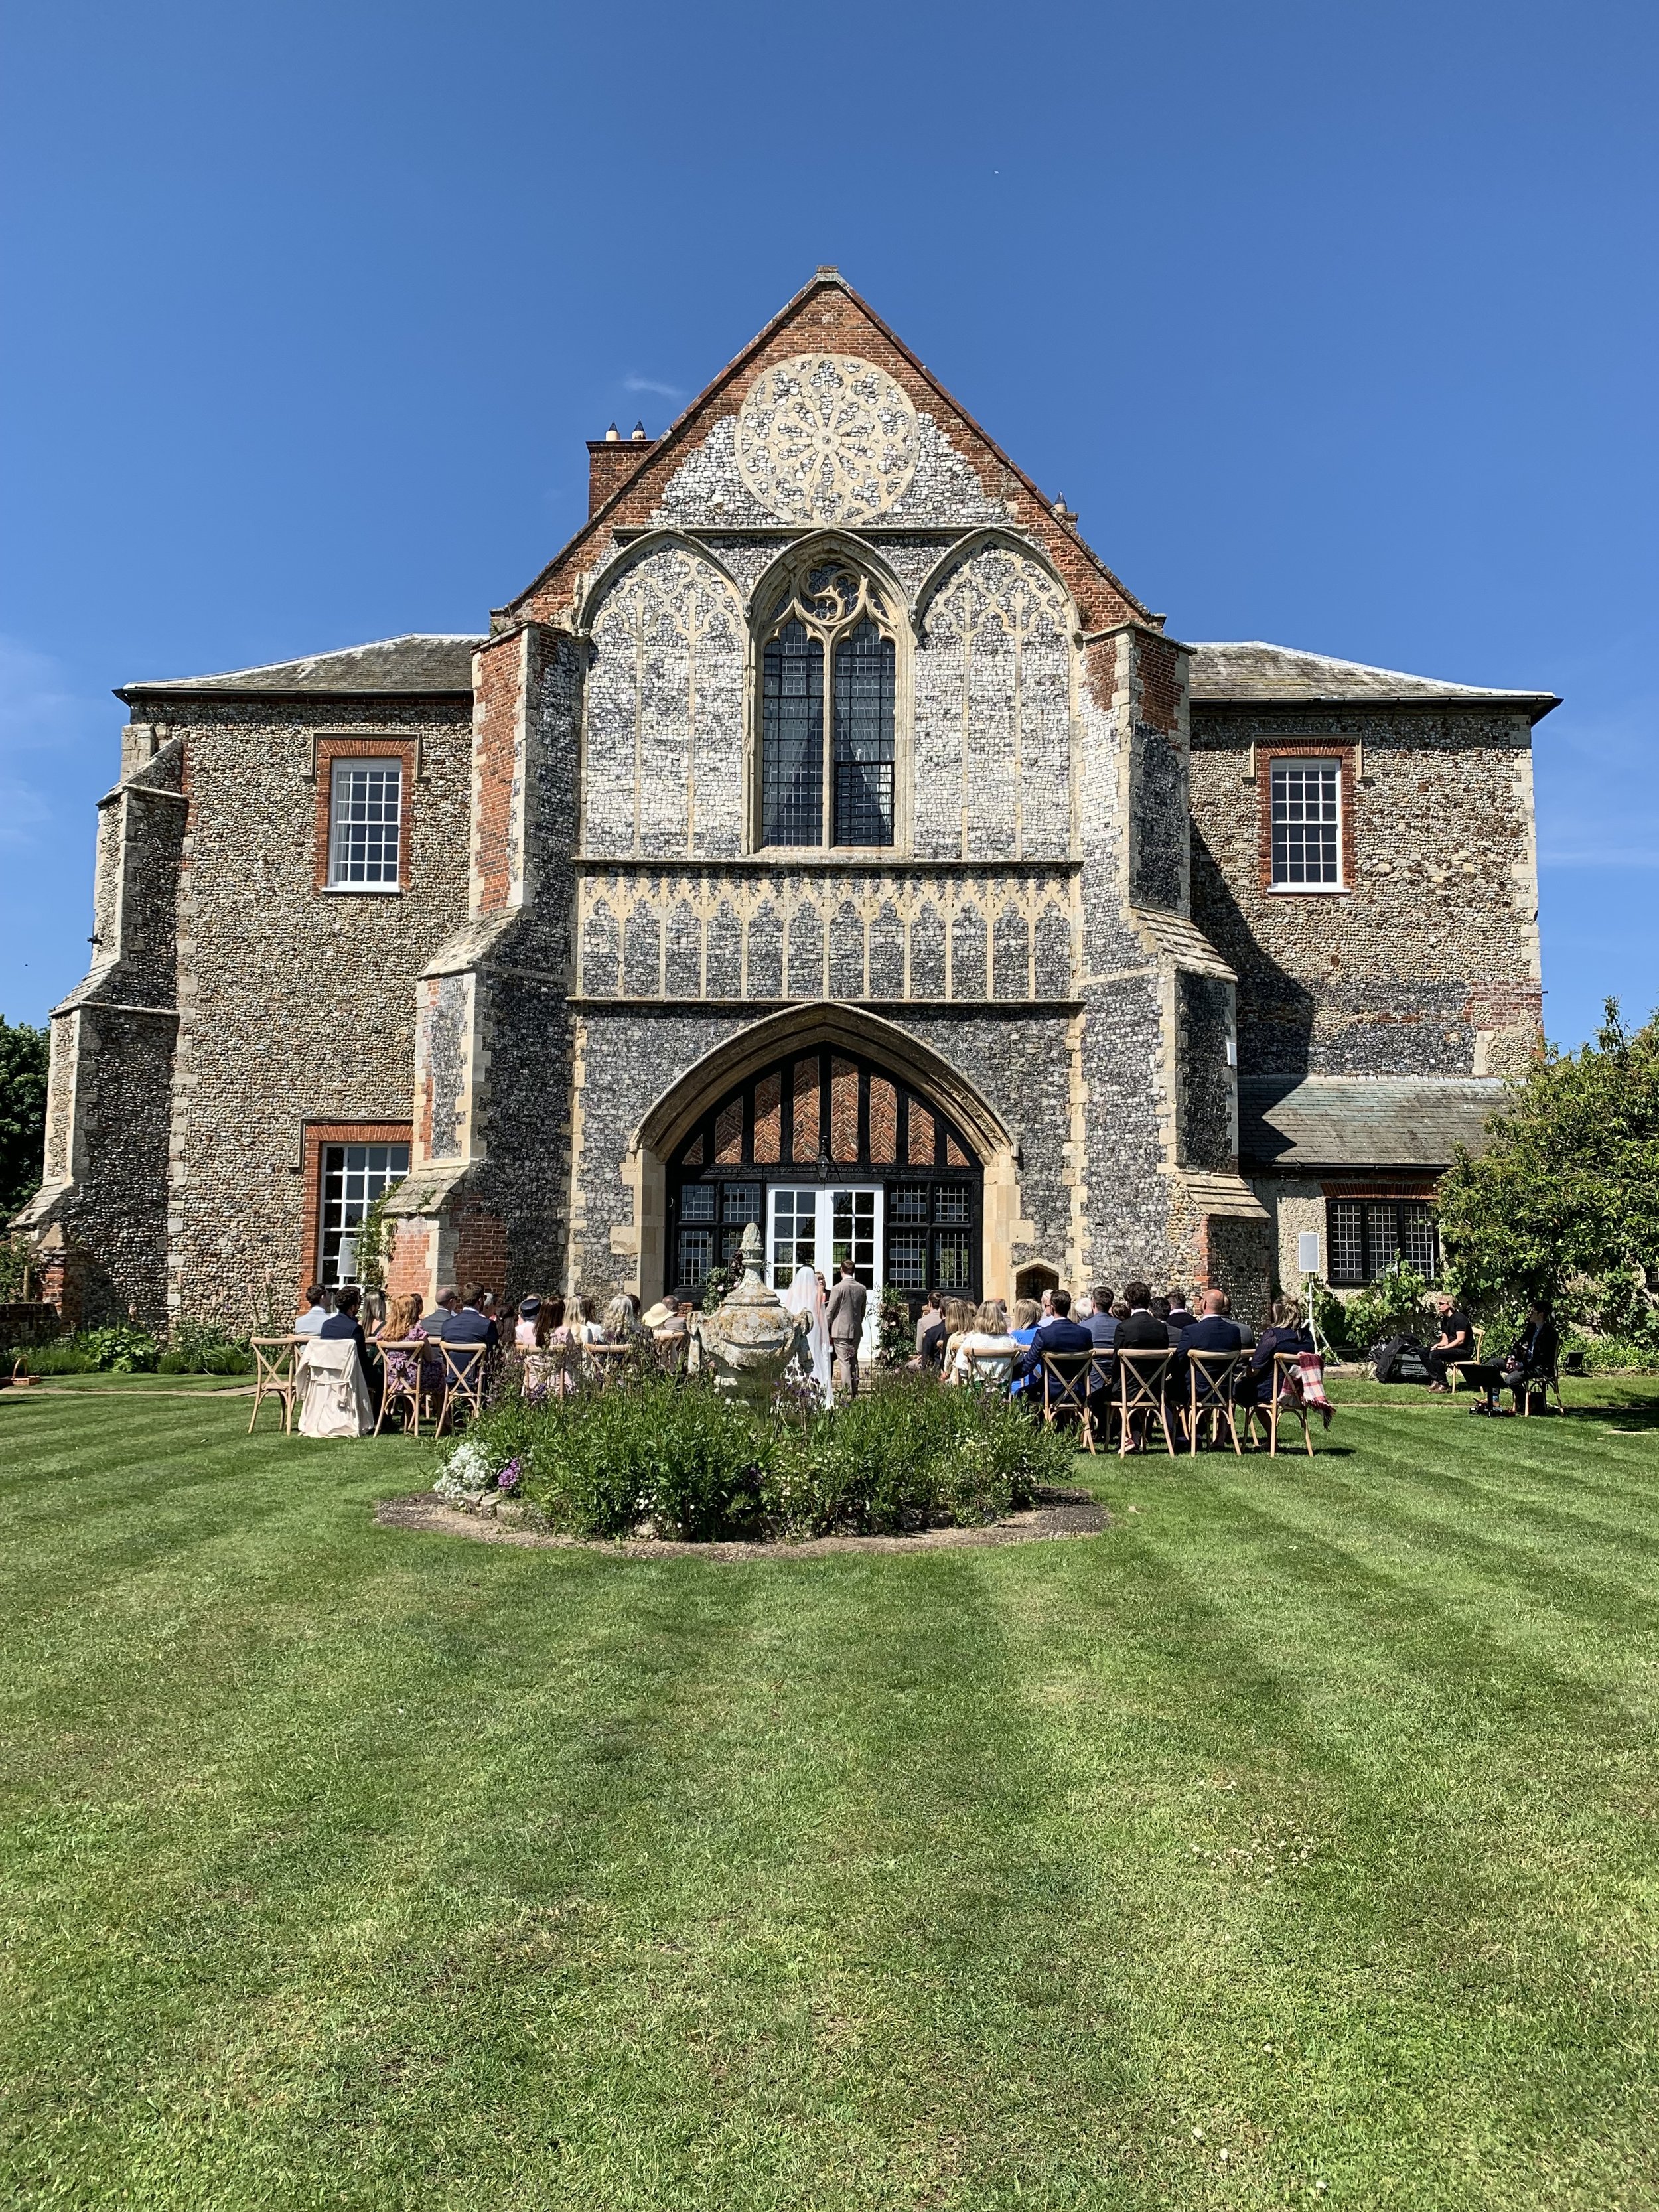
<point x="296" y="1004"/>
<point x="1428" y="963"/>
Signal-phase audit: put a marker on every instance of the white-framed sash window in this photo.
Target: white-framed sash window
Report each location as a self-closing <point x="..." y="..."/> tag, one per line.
<point x="1307" y="825"/>
<point x="365" y="828"/>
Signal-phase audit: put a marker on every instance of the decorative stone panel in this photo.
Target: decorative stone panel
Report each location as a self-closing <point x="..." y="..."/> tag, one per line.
<point x="664" y="712"/>
<point x="993" y="751"/>
<point x="811" y="934"/>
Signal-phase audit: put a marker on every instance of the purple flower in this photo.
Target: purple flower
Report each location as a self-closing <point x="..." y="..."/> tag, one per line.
<point x="508" y="1477"/>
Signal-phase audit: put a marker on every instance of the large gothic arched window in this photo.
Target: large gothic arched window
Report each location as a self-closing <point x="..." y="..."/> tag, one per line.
<point x="827" y="691"/>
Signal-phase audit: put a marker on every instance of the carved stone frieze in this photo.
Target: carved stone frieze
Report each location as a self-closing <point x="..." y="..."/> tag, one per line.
<point x="725" y="934"/>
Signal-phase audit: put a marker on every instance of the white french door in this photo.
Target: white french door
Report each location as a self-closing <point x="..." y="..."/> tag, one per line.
<point x="814" y="1227"/>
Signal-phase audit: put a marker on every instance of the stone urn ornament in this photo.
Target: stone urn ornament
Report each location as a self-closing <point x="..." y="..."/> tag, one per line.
<point x="749" y="1342"/>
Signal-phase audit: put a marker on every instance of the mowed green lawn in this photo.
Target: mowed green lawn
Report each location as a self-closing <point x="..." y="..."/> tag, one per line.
<point x="1293" y="1841"/>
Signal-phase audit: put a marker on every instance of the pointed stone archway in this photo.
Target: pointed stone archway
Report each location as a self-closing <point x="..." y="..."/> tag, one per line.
<point x="971" y="1146"/>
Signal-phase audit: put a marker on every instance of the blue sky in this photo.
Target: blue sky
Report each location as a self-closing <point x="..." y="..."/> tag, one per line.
<point x="1336" y="323"/>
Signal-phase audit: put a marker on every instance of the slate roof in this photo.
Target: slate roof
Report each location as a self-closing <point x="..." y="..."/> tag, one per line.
<point x="1258" y="673"/>
<point x="396" y="665"/>
<point x="1362" y="1122"/>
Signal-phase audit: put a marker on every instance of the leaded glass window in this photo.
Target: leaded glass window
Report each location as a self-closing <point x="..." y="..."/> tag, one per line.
<point x="1306" y="824"/>
<point x="792" y="773"/>
<point x="864" y="737"/>
<point x="353" y="1177"/>
<point x="829" y="682"/>
<point x="1365" y="1236"/>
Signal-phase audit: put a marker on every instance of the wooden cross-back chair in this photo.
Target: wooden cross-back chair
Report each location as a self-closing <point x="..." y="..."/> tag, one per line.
<point x="1286" y="1364"/>
<point x="466" y="1367"/>
<point x="671" y="1348"/>
<point x="1212" y="1395"/>
<point x="1547" y="1379"/>
<point x="1143" y="1396"/>
<point x="611" y="1363"/>
<point x="990" y="1370"/>
<point x="274" y="1361"/>
<point x="395" y="1388"/>
<point x="1068" y="1391"/>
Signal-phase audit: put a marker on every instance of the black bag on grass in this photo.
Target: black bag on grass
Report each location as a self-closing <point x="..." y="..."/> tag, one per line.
<point x="1401" y="1360"/>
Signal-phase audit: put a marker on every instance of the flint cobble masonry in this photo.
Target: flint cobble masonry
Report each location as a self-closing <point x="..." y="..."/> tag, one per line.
<point x="1068" y="946"/>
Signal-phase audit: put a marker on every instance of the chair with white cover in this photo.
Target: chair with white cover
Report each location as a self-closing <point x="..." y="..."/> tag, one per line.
<point x="334" y="1398"/>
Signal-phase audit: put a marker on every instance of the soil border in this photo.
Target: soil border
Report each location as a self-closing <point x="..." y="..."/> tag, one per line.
<point x="1057" y="1515"/>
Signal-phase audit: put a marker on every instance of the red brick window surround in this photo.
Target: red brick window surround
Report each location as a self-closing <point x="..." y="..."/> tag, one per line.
<point x="319" y="1137"/>
<point x="1301" y="835"/>
<point x="396" y="751"/>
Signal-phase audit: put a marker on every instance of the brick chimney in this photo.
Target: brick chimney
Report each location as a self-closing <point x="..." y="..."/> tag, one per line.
<point x="611" y="460"/>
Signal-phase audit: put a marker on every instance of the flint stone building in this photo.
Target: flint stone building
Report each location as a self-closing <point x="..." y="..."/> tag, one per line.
<point x="826" y="837"/>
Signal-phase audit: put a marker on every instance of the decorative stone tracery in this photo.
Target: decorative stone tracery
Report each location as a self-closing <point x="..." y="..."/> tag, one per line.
<point x="826" y="438"/>
<point x="993" y="711"/>
<point x="663" y="762"/>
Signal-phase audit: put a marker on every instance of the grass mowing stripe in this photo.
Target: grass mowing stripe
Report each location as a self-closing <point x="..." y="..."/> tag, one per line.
<point x="967" y="1879"/>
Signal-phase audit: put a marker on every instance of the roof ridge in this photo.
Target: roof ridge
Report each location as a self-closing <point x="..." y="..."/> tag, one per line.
<point x="824" y="279"/>
<point x="1364" y="667"/>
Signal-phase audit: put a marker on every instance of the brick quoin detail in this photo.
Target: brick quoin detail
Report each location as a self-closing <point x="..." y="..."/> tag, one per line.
<point x="329" y="750"/>
<point x="1342" y="752"/>
<point x="317" y="1134"/>
<point x="500" y="683"/>
<point x="1160" y="682"/>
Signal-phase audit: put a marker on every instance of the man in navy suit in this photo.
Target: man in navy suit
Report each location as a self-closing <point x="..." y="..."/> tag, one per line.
<point x="1060" y="1333"/>
<point x="1215" y="1332"/>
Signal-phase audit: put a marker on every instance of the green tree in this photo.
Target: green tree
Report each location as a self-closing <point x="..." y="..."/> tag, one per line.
<point x="23" y="1054"/>
<point x="1568" y="1185"/>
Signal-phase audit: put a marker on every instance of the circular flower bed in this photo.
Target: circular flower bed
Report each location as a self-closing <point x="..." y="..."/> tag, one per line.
<point x="672" y="1458"/>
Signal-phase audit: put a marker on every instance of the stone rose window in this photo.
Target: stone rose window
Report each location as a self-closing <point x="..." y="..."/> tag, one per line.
<point x="828" y="685"/>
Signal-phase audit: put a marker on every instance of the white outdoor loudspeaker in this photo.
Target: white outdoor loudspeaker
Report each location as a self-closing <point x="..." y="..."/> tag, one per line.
<point x="1307" y="1251"/>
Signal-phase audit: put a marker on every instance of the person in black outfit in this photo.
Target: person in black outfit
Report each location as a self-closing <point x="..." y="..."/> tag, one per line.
<point x="1531" y="1360"/>
<point x="344" y="1321"/>
<point x="1455" y="1342"/>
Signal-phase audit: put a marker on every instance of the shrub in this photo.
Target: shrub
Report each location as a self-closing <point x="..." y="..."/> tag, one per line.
<point x="198" y="1347"/>
<point x="1396" y="1305"/>
<point x="676" y="1459"/>
<point x="119" y="1351"/>
<point x="66" y="1358"/>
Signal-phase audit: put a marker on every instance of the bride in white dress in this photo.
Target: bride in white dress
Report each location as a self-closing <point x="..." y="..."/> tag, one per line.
<point x="804" y="1299"/>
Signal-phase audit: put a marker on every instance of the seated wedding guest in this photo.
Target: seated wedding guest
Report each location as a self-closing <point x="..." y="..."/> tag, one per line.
<point x="1214" y="1333"/>
<point x="1060" y="1333"/>
<point x="1141" y="1329"/>
<point x="584" y="1321"/>
<point x="311" y="1320"/>
<point x="959" y="1317"/>
<point x="1180" y="1318"/>
<point x="543" y="1352"/>
<point x="469" y="1323"/>
<point x="1455" y="1342"/>
<point x="1102" y="1329"/>
<point x="405" y="1371"/>
<point x="448" y="1302"/>
<point x="1023" y="1329"/>
<point x="989" y="1345"/>
<point x="1285" y="1334"/>
<point x="926" y="1318"/>
<point x="343" y="1321"/>
<point x="529" y="1330"/>
<point x="620" y="1325"/>
<point x="1531" y="1361"/>
<point x="930" y="1352"/>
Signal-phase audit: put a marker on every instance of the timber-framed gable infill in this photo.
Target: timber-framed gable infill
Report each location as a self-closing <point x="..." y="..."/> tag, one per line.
<point x="671" y="447"/>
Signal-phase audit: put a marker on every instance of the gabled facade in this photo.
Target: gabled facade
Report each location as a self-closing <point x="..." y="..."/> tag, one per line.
<point x="825" y="837"/>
